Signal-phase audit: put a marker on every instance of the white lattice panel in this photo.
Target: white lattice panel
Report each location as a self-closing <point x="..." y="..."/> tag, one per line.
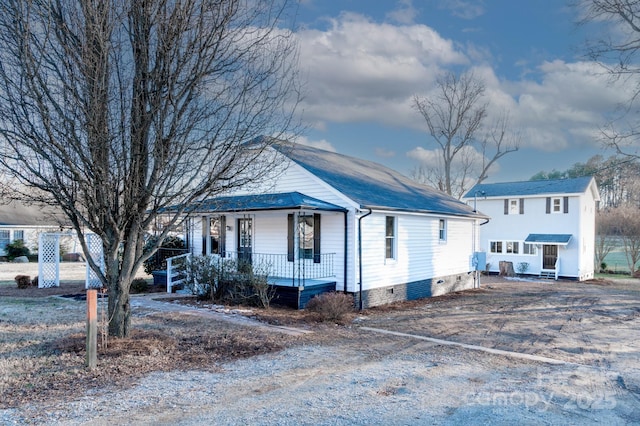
<point x="94" y="244"/>
<point x="48" y="260"/>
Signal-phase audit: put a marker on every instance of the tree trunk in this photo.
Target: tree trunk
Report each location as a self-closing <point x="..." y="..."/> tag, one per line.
<point x="119" y="310"/>
<point x="506" y="269"/>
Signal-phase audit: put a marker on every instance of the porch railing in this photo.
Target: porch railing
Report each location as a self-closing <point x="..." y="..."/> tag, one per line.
<point x="277" y="267"/>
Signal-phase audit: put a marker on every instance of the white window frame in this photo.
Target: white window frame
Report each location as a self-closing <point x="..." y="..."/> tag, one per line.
<point x="442" y="230"/>
<point x="514" y="206"/>
<point x="390" y="241"/>
<point x="529" y="249"/>
<point x="496" y="244"/>
<point x="557" y="200"/>
<point x="512" y="247"/>
<point x="18" y="234"/>
<point x="4" y="241"/>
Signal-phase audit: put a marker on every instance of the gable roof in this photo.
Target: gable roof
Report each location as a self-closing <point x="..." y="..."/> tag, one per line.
<point x="279" y="201"/>
<point x="533" y="187"/>
<point x="372" y="185"/>
<point x="15" y="214"/>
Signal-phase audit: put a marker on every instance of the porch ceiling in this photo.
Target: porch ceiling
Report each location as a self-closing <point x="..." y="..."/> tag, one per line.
<point x="552" y="239"/>
<point x="278" y="201"/>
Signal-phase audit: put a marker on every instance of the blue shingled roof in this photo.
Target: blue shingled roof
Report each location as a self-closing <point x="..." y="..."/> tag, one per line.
<point x="533" y="187"/>
<point x="372" y="185"/>
<point x="548" y="238"/>
<point x="279" y="201"/>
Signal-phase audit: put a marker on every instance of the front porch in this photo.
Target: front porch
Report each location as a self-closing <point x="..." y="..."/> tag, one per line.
<point x="298" y="297"/>
<point x="294" y="282"/>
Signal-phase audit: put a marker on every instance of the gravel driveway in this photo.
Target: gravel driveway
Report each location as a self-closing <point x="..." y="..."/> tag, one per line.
<point x="365" y="376"/>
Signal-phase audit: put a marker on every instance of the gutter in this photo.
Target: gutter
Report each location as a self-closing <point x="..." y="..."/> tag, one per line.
<point x="346" y="212"/>
<point x="360" y="253"/>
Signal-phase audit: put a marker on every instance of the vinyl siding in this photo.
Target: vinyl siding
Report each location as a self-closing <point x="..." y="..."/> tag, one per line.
<point x="579" y="222"/>
<point x="420" y="254"/>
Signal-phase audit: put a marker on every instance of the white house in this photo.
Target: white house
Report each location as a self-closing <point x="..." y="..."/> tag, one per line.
<point x="26" y="222"/>
<point x="326" y="221"/>
<point x="544" y="228"/>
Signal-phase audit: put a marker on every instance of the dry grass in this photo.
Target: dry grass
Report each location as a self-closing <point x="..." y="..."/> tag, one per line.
<point x="43" y="350"/>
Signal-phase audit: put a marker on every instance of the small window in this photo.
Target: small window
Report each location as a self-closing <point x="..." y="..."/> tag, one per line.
<point x="390" y="237"/>
<point x="528" y="248"/>
<point x="5" y="238"/>
<point x="496" y="246"/>
<point x="443" y="230"/>
<point x="514" y="207"/>
<point x="18" y="235"/>
<point x="556" y="205"/>
<point x="512" y="247"/>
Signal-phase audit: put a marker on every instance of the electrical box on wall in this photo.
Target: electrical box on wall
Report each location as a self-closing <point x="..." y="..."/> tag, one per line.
<point x="479" y="260"/>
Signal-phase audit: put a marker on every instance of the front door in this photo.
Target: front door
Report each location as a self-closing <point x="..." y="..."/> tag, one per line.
<point x="549" y="256"/>
<point x="245" y="235"/>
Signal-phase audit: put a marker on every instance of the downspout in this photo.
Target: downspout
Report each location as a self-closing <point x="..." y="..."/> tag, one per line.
<point x="345" y="252"/>
<point x="360" y="253"/>
<point x="476" y="276"/>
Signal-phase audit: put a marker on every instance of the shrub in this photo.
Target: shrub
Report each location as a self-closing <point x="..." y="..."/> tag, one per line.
<point x="16" y="248"/>
<point x="331" y="306"/>
<point x="139" y="285"/>
<point x="34" y="281"/>
<point x="603" y="266"/>
<point x="523" y="267"/>
<point x="23" y="281"/>
<point x="229" y="281"/>
<point x="158" y="261"/>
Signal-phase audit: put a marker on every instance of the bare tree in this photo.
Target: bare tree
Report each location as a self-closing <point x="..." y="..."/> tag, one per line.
<point x="617" y="52"/>
<point x="455" y="118"/>
<point x="628" y="221"/>
<point x="115" y="110"/>
<point x="606" y="239"/>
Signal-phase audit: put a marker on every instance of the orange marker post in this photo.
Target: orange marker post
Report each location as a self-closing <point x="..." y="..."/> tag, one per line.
<point x="92" y="328"/>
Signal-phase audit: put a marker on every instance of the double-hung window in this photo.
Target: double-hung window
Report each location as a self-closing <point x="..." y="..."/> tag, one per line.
<point x="443" y="230"/>
<point x="304" y="233"/>
<point x="390" y="237"/>
<point x="528" y="248"/>
<point x="5" y="238"/>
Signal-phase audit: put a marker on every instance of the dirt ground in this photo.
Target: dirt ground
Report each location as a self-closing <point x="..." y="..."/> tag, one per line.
<point x="513" y="351"/>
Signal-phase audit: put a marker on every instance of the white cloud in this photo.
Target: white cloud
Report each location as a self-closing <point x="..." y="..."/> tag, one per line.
<point x="465" y="9"/>
<point x="384" y="153"/>
<point x="359" y="70"/>
<point x="567" y="106"/>
<point x="320" y="144"/>
<point x="404" y="14"/>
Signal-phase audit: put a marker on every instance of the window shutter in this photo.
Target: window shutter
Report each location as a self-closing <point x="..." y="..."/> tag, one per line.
<point x="223" y="236"/>
<point x="316" y="238"/>
<point x="548" y="205"/>
<point x="290" y="234"/>
<point x="205" y="234"/>
<point x="506" y="206"/>
<point x="566" y="204"/>
<point x="521" y="205"/>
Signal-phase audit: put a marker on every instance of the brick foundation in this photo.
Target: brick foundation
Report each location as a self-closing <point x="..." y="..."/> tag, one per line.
<point x="415" y="290"/>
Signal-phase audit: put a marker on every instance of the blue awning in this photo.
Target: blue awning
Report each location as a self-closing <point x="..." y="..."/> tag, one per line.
<point x="551" y="239"/>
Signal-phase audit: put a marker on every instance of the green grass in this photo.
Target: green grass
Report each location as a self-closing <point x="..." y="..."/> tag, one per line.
<point x="616" y="261"/>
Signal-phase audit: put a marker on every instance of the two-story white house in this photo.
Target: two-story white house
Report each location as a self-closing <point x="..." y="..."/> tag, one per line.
<point x="544" y="228"/>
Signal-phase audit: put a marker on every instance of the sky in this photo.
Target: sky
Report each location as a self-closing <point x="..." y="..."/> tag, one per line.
<point x="363" y="61"/>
